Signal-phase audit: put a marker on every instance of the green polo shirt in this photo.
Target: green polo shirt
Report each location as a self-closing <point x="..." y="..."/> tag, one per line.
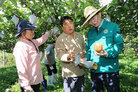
<point x="109" y="36"/>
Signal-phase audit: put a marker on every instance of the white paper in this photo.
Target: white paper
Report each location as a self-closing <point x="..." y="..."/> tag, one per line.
<point x="15" y="20"/>
<point x="33" y="19"/>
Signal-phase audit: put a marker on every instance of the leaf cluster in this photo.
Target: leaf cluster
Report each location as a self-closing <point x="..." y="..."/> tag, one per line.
<point x="123" y="12"/>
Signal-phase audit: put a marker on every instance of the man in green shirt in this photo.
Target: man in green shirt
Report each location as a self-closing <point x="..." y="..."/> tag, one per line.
<point x="108" y="34"/>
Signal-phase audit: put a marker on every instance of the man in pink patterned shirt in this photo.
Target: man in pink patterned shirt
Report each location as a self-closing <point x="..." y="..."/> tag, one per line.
<point x="27" y="57"/>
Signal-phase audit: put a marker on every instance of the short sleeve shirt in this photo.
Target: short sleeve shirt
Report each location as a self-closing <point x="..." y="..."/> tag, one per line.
<point x="51" y="53"/>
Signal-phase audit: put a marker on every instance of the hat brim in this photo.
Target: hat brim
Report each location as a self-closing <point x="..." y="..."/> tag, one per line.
<point x="31" y="27"/>
<point x="87" y="20"/>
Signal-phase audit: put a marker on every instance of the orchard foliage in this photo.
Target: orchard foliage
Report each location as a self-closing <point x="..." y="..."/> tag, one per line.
<point x="123" y="12"/>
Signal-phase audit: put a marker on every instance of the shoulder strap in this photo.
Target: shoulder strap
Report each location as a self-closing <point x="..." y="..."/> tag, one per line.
<point x="34" y="46"/>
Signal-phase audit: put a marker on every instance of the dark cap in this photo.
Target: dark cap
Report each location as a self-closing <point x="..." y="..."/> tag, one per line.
<point x="23" y="25"/>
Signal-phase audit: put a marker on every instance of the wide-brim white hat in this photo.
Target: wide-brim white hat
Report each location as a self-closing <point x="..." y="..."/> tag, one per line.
<point x="90" y="11"/>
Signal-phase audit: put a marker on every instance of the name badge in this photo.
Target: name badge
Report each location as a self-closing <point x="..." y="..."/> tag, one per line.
<point x="106" y="31"/>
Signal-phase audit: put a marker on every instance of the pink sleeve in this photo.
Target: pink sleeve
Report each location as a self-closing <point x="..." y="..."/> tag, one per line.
<point x="21" y="57"/>
<point x="42" y="39"/>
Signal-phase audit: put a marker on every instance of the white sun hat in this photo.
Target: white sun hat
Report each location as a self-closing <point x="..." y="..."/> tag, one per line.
<point x="90" y="11"/>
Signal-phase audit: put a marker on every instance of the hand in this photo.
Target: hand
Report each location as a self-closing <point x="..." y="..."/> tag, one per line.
<point x="71" y="54"/>
<point x="50" y="31"/>
<point x="82" y="60"/>
<point x="103" y="53"/>
<point x="82" y="54"/>
<point x="29" y="90"/>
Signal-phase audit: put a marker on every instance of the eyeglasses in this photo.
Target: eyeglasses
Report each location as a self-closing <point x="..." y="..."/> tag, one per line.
<point x="65" y="24"/>
<point x="93" y="16"/>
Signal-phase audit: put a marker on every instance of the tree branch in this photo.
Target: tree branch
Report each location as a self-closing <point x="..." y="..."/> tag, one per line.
<point x="16" y="15"/>
<point x="33" y="11"/>
<point x="56" y="14"/>
<point x="125" y="2"/>
<point x="76" y="5"/>
<point x="46" y="9"/>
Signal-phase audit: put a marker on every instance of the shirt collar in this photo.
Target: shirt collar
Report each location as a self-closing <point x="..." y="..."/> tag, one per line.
<point x="23" y="40"/>
<point x="68" y="36"/>
<point x="100" y="24"/>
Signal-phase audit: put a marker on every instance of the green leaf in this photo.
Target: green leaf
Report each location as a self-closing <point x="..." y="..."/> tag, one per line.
<point x="14" y="2"/>
<point x="33" y="1"/>
<point x="1" y="20"/>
